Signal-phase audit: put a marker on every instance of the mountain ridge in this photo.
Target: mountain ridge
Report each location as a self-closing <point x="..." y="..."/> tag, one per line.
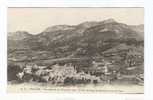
<point x="91" y="38"/>
<point x="110" y="20"/>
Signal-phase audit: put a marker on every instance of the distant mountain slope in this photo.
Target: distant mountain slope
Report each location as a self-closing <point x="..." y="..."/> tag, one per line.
<point x="19" y="35"/>
<point x="16" y="40"/>
<point x="139" y="29"/>
<point x="112" y="30"/>
<point x="59" y="27"/>
<point x="84" y="39"/>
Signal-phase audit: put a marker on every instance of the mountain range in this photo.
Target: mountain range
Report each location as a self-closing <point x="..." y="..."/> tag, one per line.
<point x="109" y="39"/>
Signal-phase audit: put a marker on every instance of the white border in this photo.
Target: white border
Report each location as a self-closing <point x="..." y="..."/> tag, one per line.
<point x="76" y="4"/>
<point x="51" y="96"/>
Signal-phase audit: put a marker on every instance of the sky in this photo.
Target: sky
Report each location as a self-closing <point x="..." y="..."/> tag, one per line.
<point x="36" y="20"/>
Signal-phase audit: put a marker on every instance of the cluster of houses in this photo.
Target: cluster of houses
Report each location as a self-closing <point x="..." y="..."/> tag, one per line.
<point x="68" y="73"/>
<point x="56" y="74"/>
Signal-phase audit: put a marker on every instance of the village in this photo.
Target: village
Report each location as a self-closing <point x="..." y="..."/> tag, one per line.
<point x="101" y="72"/>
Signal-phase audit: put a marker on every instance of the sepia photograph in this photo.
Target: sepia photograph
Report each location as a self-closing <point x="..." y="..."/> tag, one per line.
<point x="86" y="49"/>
